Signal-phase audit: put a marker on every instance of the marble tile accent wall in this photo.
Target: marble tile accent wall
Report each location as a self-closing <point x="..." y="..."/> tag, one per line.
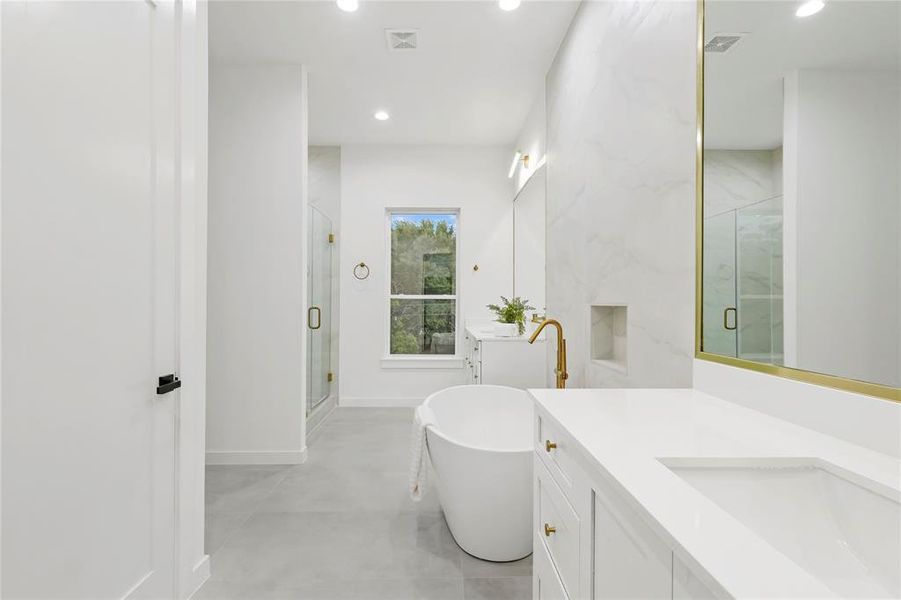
<point x="737" y="178"/>
<point x="621" y="135"/>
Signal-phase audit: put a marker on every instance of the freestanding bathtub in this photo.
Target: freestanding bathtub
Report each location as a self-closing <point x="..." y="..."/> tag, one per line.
<point x="481" y="451"/>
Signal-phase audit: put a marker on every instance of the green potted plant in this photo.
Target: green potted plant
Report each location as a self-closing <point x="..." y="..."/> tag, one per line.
<point x="511" y="316"/>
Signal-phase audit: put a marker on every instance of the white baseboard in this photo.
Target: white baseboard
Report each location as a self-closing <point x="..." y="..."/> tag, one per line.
<point x="199" y="576"/>
<point x="380" y="402"/>
<point x="251" y="457"/>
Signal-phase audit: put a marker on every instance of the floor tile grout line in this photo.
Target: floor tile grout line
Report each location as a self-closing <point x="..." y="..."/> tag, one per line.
<point x="250" y="513"/>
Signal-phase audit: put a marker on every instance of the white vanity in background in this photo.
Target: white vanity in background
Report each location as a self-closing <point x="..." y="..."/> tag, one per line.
<point x="497" y="360"/>
<point x="678" y="494"/>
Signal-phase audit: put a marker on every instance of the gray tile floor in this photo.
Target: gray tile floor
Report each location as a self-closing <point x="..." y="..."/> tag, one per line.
<point x="341" y="526"/>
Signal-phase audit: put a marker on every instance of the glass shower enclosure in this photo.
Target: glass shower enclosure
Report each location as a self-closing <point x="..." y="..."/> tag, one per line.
<point x="743" y="293"/>
<point x="319" y="312"/>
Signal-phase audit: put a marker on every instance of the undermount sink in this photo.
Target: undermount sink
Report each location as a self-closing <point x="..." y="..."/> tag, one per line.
<point x="840" y="527"/>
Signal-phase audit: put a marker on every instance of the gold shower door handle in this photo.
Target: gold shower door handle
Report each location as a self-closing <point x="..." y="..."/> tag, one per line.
<point x="310" y="317"/>
<point x="734" y="312"/>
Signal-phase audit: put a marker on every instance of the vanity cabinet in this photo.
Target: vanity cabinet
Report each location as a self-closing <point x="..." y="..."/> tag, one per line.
<point x="588" y="542"/>
<point x="512" y="361"/>
<point x="559" y="528"/>
<point x="629" y="561"/>
<point x="686" y="586"/>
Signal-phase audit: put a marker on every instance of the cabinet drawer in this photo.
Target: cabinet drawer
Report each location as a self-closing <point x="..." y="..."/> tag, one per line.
<point x="559" y="528"/>
<point x="556" y="453"/>
<point x="546" y="584"/>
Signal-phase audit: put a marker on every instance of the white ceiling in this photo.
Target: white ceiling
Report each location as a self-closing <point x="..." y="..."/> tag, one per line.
<point x="472" y="81"/>
<point x="743" y="98"/>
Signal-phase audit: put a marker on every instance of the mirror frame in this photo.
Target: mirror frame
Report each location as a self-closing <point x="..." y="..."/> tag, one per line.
<point x="832" y="381"/>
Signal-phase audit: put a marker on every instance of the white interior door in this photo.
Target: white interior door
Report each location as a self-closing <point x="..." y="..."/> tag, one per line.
<point x="88" y="299"/>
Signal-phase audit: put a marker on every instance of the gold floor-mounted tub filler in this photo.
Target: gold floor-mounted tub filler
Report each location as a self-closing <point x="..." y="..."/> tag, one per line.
<point x="560" y="371"/>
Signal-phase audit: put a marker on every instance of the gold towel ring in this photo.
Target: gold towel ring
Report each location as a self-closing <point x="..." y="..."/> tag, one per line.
<point x="361" y="271"/>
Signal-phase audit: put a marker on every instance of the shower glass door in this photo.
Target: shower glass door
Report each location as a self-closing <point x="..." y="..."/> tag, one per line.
<point x="319" y="313"/>
<point x="758" y="259"/>
<point x="720" y="307"/>
<point x="742" y="313"/>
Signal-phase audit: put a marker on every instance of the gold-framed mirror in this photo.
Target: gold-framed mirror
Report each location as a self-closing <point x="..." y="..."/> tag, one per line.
<point x="799" y="190"/>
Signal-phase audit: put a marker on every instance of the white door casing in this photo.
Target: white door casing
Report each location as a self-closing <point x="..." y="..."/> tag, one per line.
<point x="89" y="260"/>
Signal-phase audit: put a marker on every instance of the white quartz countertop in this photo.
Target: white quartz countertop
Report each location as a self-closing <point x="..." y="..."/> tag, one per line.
<point x="486" y="334"/>
<point x="624" y="434"/>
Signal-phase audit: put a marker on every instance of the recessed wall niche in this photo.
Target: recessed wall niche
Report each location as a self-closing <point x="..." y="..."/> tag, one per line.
<point x="609" y="335"/>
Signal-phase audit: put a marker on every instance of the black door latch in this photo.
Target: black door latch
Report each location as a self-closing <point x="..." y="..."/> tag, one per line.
<point x="168" y="383"/>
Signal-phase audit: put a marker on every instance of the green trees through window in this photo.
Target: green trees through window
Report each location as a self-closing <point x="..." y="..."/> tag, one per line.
<point x="423" y="283"/>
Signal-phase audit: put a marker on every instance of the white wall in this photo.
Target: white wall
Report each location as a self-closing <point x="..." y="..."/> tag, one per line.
<point x="529" y="194"/>
<point x="842" y="202"/>
<point x="532" y="140"/>
<point x="863" y="420"/>
<point x="621" y="153"/>
<point x="255" y="345"/>
<point x="530" y="231"/>
<point x="374" y="178"/>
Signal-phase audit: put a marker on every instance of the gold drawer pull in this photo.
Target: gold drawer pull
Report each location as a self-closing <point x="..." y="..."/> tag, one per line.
<point x="549" y="445"/>
<point x="548" y="530"/>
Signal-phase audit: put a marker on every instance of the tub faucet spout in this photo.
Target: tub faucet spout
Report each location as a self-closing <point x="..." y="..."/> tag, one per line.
<point x="560" y="371"/>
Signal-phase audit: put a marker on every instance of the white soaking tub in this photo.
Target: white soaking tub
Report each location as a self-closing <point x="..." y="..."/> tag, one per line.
<point x="481" y="451"/>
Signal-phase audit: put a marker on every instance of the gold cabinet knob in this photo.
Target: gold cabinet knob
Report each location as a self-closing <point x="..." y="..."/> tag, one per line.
<point x="549" y="445"/>
<point x="548" y="530"/>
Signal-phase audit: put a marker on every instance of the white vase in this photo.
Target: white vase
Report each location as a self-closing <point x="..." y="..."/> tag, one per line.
<point x="506" y="329"/>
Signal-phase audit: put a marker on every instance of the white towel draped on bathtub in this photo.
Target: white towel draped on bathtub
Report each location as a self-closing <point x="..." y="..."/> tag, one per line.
<point x="423" y="417"/>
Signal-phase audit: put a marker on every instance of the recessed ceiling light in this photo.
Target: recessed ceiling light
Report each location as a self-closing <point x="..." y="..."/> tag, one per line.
<point x="348" y="5"/>
<point x="811" y="7"/>
<point x="509" y="5"/>
<point x="381" y="115"/>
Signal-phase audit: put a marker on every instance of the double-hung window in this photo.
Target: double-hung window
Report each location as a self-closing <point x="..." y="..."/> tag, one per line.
<point x="423" y="282"/>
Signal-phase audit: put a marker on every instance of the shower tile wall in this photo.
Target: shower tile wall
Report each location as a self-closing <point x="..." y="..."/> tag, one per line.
<point x="620" y="190"/>
<point x="737" y="178"/>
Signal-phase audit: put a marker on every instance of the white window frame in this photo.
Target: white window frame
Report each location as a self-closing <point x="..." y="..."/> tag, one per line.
<point x="425" y="361"/>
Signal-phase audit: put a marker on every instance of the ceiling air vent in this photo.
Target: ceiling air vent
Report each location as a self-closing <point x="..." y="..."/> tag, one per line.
<point x="402" y="39"/>
<point x="722" y="42"/>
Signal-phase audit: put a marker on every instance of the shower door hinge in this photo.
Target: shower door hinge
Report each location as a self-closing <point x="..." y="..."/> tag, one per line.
<point x="330" y="377"/>
<point x="331" y="238"/>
